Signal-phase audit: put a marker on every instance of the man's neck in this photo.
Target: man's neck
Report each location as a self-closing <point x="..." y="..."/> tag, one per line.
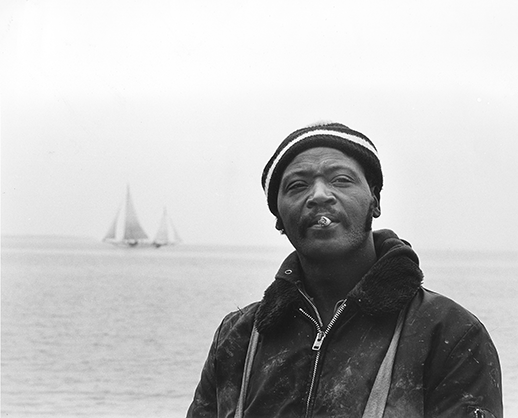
<point x="329" y="281"/>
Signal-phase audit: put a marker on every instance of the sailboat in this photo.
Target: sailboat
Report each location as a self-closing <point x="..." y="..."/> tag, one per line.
<point x="166" y="234"/>
<point x="125" y="228"/>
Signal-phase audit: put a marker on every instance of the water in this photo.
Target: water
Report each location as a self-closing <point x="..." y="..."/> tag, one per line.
<point x="90" y="330"/>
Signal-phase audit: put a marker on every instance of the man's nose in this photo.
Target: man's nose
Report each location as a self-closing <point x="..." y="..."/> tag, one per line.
<point x="320" y="194"/>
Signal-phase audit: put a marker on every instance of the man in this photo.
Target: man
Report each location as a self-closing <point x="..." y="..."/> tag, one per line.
<point x="345" y="330"/>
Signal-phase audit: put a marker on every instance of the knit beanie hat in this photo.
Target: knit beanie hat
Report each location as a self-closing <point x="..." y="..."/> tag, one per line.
<point x="332" y="135"/>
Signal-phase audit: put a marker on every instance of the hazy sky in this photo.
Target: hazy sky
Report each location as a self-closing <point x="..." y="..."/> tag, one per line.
<point x="186" y="101"/>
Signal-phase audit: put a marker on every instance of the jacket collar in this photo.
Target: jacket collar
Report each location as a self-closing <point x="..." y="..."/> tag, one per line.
<point x="387" y="287"/>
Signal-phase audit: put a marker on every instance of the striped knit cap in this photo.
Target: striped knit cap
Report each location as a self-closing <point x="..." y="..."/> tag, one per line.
<point x="332" y="135"/>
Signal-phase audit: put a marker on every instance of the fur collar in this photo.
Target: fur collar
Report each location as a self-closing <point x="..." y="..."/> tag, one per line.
<point x="388" y="286"/>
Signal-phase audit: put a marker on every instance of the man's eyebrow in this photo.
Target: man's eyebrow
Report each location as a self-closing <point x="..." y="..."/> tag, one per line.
<point x="297" y="171"/>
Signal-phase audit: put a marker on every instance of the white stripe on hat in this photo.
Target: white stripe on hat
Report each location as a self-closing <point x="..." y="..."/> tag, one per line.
<point x="353" y="138"/>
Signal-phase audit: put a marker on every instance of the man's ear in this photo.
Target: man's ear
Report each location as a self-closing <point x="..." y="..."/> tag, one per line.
<point x="376" y="212"/>
<point x="279" y="226"/>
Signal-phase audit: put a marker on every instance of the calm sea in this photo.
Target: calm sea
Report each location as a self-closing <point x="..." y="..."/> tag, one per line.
<point x="90" y="330"/>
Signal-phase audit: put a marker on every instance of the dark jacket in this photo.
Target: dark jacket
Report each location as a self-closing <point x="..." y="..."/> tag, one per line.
<point x="446" y="364"/>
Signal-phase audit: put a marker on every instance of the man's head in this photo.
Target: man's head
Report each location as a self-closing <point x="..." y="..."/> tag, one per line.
<point x="325" y="169"/>
<point x="332" y="135"/>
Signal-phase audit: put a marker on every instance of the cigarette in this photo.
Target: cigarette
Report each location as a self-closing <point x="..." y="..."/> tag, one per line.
<point x="324" y="221"/>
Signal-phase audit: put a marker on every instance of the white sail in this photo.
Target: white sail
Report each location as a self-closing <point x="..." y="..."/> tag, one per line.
<point x="112" y="232"/>
<point x="132" y="230"/>
<point x="166" y="233"/>
<point x="126" y="228"/>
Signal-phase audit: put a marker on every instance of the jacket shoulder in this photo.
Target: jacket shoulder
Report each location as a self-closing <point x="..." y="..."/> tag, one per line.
<point x="238" y="321"/>
<point x="442" y="308"/>
<point x="442" y="327"/>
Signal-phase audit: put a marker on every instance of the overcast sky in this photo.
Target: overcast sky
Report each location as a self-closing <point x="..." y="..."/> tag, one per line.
<point x="186" y="101"/>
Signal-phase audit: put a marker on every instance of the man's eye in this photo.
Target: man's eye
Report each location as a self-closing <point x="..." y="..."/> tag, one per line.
<point x="296" y="185"/>
<point x="341" y="180"/>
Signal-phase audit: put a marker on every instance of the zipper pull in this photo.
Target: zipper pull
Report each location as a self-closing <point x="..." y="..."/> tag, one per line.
<point x="318" y="341"/>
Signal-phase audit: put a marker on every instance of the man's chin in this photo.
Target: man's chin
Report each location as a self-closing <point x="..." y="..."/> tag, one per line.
<point x="323" y="250"/>
<point x="327" y="248"/>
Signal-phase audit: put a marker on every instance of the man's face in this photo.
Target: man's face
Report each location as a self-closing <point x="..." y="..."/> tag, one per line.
<point x="326" y="182"/>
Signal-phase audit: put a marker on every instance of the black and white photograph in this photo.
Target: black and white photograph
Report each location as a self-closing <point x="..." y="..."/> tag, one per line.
<point x="250" y="209"/>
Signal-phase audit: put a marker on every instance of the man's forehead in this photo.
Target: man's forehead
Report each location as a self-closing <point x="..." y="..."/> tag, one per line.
<point x="320" y="152"/>
<point x="321" y="156"/>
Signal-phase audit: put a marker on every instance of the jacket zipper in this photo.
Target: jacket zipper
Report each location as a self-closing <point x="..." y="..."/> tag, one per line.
<point x="317" y="344"/>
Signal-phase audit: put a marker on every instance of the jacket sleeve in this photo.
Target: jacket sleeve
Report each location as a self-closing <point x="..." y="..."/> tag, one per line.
<point x="204" y="403"/>
<point x="468" y="382"/>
